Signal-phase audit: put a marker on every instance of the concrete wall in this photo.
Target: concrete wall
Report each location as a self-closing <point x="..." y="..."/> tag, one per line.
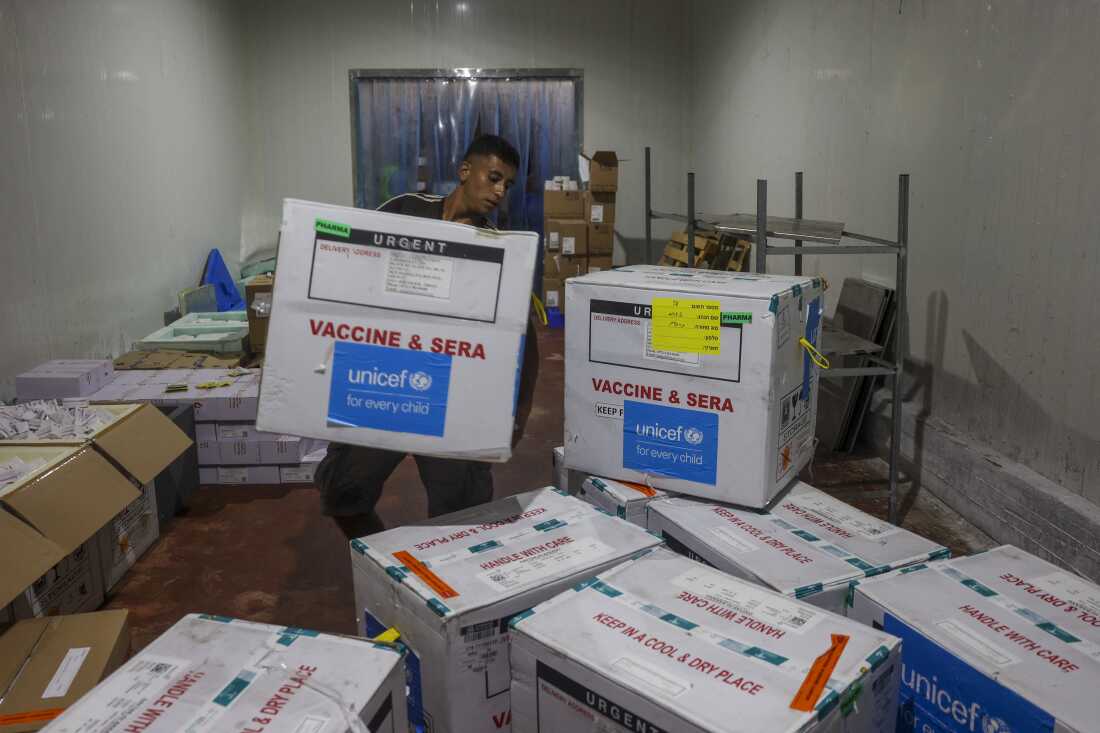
<point x="993" y="108"/>
<point x="121" y="165"/>
<point x="632" y="52"/>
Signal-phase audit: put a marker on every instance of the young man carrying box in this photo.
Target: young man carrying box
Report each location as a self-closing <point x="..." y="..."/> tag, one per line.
<point x="351" y="477"/>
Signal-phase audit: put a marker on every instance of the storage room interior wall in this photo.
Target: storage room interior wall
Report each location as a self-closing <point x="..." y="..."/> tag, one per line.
<point x="993" y="110"/>
<point x="121" y="165"/>
<point x="633" y="54"/>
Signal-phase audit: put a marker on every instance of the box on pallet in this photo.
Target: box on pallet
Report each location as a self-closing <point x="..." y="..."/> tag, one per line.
<point x="567" y="236"/>
<point x="451" y="584"/>
<point x="809" y="545"/>
<point x="697" y="652"/>
<point x="1000" y="641"/>
<point x="217" y="674"/>
<point x="47" y="664"/>
<point x="624" y="499"/>
<point x="397" y="332"/>
<point x="63" y="378"/>
<point x="638" y="410"/>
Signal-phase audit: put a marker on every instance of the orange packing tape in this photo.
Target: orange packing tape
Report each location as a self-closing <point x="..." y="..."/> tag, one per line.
<point x="34" y="716"/>
<point x="640" y="488"/>
<point x="423" y="572"/>
<point x="820" y="672"/>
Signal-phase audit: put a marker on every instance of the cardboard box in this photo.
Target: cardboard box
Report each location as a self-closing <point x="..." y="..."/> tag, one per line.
<point x="601" y="241"/>
<point x="52" y="516"/>
<point x="666" y="644"/>
<point x="662" y="418"/>
<point x="397" y="332"/>
<point x="563" y="204"/>
<point x="218" y="675"/>
<point x="47" y="664"/>
<point x="152" y="360"/>
<point x="128" y="536"/>
<point x="603" y="171"/>
<point x="560" y="267"/>
<point x="566" y="236"/>
<point x="238" y="475"/>
<point x="599" y="263"/>
<point x="451" y="584"/>
<point x="1000" y="641"/>
<point x="623" y="499"/>
<point x="303" y="473"/>
<point x="808" y="546"/>
<point x="257" y="295"/>
<point x="206" y="432"/>
<point x="63" y="378"/>
<point x="599" y="208"/>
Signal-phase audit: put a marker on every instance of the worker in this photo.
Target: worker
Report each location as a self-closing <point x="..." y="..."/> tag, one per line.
<point x="351" y="477"/>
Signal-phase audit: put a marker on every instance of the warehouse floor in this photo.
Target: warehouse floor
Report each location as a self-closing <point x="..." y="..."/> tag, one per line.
<point x="267" y="554"/>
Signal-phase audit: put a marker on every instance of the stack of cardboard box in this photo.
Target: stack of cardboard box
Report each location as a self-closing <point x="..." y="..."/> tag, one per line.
<point x="578" y="226"/>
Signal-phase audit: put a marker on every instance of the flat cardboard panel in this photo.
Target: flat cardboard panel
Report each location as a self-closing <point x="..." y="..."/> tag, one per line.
<point x="36" y="555"/>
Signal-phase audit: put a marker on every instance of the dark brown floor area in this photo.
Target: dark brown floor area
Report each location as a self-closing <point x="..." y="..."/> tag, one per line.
<point x="267" y="554"/>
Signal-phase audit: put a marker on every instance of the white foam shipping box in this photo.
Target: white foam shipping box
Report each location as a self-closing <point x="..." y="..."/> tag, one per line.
<point x="128" y="536"/>
<point x="237" y="400"/>
<point x="233" y="475"/>
<point x="662" y="418"/>
<point x="396" y="332"/>
<point x="1000" y="641"/>
<point x="665" y="644"/>
<point x="214" y="674"/>
<point x="624" y="499"/>
<point x="809" y="545"/>
<point x="64" y="378"/>
<point x="451" y="584"/>
<point x="565" y="479"/>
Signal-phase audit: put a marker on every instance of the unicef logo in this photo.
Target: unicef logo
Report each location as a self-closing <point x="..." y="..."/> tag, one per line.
<point x="420" y="381"/>
<point x="693" y="436"/>
<point x="995" y="725"/>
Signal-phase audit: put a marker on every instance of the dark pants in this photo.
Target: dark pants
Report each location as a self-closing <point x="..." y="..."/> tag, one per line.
<point x="351" y="477"/>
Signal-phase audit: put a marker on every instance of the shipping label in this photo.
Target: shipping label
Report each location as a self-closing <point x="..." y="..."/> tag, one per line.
<point x="557" y="557"/>
<point x="621" y="334"/>
<point x="66" y="672"/>
<point x="407" y="273"/>
<point x="565" y="704"/>
<point x="386" y="388"/>
<point x="671" y="441"/>
<point x="794" y="430"/>
<point x="752" y="606"/>
<point x="836" y="518"/>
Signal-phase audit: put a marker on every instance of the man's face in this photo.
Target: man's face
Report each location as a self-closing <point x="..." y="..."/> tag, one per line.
<point x="485" y="180"/>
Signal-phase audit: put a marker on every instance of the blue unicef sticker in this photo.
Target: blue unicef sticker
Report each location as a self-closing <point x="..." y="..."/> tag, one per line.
<point x="940" y="693"/>
<point x="671" y="441"/>
<point x="391" y="389"/>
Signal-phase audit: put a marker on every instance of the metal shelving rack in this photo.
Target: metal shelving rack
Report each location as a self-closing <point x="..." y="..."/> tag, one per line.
<point x="824" y="238"/>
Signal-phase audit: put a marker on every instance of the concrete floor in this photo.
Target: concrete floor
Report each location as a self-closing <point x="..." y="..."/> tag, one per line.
<point x="266" y="553"/>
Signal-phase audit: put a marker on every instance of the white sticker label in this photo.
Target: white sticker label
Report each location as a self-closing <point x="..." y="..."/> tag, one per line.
<point x="837" y="518"/>
<point x="552" y="299"/>
<point x="232" y="475"/>
<point x="569" y="245"/>
<point x="673" y="356"/>
<point x="732" y="540"/>
<point x="597" y="214"/>
<point x="63" y="677"/>
<point x="974" y="644"/>
<point x="122" y="695"/>
<point x="298" y="475"/>
<point x="555" y="240"/>
<point x="311" y="724"/>
<point x="557" y="557"/>
<point x="411" y="273"/>
<point x="744" y="599"/>
<point x="1081" y="593"/>
<point x="234" y="432"/>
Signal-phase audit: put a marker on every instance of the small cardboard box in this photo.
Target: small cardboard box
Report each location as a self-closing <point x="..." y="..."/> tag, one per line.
<point x="662" y="643"/>
<point x="601" y="240"/>
<point x="553" y="292"/>
<point x="397" y="332"/>
<point x="599" y="263"/>
<point x="47" y="664"/>
<point x="603" y="171"/>
<point x="808" y="546"/>
<point x="566" y="236"/>
<point x="63" y="378"/>
<point x="237" y="675"/>
<point x="1000" y="641"/>
<point x="623" y="499"/>
<point x="563" y="205"/>
<point x="662" y="418"/>
<point x="238" y="475"/>
<point x="52" y="517"/>
<point x="451" y="585"/>
<point x="257" y="294"/>
<point x="599" y="208"/>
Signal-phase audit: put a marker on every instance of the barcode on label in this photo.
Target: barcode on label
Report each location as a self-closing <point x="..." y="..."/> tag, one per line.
<point x="477" y="632"/>
<point x="160" y="668"/>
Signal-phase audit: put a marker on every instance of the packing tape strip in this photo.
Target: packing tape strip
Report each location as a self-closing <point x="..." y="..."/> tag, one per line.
<point x="421" y="571"/>
<point x="813" y="684"/>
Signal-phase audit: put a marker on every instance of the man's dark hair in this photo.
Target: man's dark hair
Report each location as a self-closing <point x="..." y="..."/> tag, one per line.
<point x="493" y="145"/>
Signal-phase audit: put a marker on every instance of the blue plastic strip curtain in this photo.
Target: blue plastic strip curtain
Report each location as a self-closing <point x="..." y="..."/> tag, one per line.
<point x="813" y="318"/>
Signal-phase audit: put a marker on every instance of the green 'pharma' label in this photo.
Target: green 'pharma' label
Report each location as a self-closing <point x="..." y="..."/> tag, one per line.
<point x="744" y="317"/>
<point x="331" y="227"/>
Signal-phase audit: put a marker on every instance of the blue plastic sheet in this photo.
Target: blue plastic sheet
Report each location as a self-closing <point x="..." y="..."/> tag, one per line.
<point x="225" y="287"/>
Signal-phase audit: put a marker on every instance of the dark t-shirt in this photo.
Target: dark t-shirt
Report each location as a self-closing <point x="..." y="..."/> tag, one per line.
<point x="429" y="206"/>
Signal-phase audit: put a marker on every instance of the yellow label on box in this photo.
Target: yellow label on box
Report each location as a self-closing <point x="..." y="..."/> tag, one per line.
<point x="687" y="326"/>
